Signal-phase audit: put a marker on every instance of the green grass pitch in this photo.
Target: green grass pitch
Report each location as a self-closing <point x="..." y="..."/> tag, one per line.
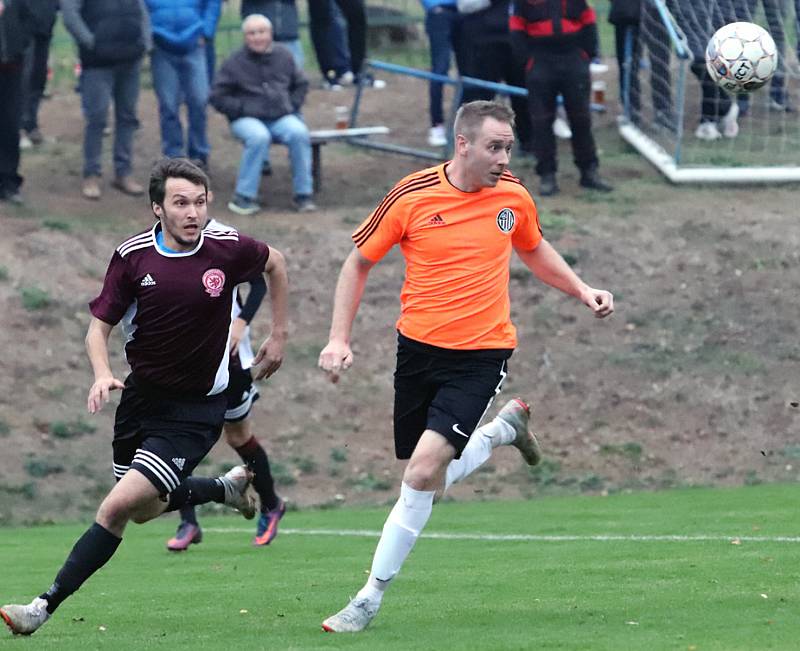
<point x="693" y="569"/>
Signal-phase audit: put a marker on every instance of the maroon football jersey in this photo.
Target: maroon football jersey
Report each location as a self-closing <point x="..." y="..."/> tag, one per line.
<point x="175" y="308"/>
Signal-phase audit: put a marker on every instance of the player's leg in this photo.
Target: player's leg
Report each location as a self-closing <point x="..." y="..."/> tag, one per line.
<point x="133" y="497"/>
<point x="239" y="435"/>
<point x="424" y="473"/>
<point x="240" y="395"/>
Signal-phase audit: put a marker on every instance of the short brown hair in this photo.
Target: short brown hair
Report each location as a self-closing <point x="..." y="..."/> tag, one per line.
<point x="471" y="115"/>
<point x="174" y="168"/>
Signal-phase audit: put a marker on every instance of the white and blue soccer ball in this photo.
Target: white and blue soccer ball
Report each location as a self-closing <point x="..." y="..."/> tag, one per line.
<point x="741" y="57"/>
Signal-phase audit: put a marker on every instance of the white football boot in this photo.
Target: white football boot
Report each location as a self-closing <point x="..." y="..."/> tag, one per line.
<point x="236" y="482"/>
<point x="517" y="413"/>
<point x="24" y="620"/>
<point x="354" y="617"/>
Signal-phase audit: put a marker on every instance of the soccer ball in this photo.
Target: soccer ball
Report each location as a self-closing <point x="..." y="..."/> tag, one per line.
<point x="741" y="57"/>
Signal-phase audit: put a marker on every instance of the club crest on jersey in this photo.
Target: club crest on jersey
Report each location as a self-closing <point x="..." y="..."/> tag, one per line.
<point x="214" y="281"/>
<point x="505" y="220"/>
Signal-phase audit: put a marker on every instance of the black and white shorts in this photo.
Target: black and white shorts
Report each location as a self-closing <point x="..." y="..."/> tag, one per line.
<point x="240" y="394"/>
<point x="447" y="391"/>
<point x="163" y="437"/>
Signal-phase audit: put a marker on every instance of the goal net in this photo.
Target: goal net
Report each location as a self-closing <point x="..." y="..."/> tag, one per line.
<point x="664" y="103"/>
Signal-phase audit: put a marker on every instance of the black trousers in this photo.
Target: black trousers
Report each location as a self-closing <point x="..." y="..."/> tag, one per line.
<point x="34" y="80"/>
<point x="10" y="109"/>
<point x="494" y="61"/>
<point x="566" y="73"/>
<point x="355" y="14"/>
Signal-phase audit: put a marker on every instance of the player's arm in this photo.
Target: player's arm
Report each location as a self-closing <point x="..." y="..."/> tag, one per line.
<point x="271" y="351"/>
<point x="549" y="267"/>
<point x="258" y="290"/>
<point x="97" y="349"/>
<point x="337" y="355"/>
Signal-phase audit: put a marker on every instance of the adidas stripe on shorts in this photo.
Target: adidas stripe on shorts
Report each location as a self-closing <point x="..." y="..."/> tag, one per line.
<point x="164" y="437"/>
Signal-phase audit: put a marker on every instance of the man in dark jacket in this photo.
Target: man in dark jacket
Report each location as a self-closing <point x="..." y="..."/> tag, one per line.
<point x="112" y="37"/>
<point x="555" y="40"/>
<point x="260" y="90"/>
<point x="14" y="37"/>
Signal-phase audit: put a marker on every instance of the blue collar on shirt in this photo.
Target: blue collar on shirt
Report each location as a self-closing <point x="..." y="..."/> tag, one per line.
<point x="160" y="243"/>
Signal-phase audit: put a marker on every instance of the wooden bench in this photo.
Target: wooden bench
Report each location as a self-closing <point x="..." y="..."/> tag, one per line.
<point x="323" y="136"/>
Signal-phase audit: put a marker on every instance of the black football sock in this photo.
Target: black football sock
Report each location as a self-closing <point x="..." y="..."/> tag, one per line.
<point x="196" y="490"/>
<point x="255" y="457"/>
<point x="188" y="514"/>
<point x="89" y="554"/>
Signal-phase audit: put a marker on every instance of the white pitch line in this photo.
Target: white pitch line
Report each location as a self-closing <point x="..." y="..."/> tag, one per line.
<point x="366" y="533"/>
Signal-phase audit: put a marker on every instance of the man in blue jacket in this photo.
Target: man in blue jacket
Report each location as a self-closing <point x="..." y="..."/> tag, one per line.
<point x="178" y="61"/>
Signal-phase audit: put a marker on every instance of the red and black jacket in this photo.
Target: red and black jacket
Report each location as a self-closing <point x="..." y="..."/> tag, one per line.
<point x="553" y="26"/>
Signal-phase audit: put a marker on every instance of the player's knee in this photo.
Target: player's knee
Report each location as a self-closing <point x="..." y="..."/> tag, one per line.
<point x="114" y="513"/>
<point x="236" y="434"/>
<point x="423" y="474"/>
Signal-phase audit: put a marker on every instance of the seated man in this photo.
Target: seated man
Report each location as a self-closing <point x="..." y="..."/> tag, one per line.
<point x="260" y="90"/>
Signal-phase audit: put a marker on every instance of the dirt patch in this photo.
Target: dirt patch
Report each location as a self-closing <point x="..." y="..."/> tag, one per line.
<point x="691" y="382"/>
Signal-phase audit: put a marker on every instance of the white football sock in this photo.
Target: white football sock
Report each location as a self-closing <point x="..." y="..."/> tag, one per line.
<point x="404" y="524"/>
<point x="479" y="449"/>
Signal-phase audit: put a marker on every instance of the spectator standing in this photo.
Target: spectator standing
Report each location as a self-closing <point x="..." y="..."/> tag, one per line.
<point x="34" y="80"/>
<point x="718" y="114"/>
<point x="441" y="26"/>
<point x="261" y="90"/>
<point x="329" y="38"/>
<point x="285" y="23"/>
<point x="14" y="36"/>
<point x="179" y="67"/>
<point x="112" y="38"/>
<point x="555" y="41"/>
<point x="487" y="54"/>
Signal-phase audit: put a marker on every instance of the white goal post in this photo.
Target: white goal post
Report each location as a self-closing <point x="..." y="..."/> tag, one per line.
<point x="662" y="96"/>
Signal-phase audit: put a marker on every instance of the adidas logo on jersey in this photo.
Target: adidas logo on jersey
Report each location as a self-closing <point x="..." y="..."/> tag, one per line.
<point x="437" y="220"/>
<point x="147" y="281"/>
<point x="178" y="462"/>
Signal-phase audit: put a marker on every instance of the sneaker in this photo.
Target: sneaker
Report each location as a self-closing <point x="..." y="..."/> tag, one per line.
<point x="36" y="136"/>
<point x="368" y="81"/>
<point x="266" y="169"/>
<point x="591" y="179"/>
<point x="561" y="129"/>
<point x="24" y="620"/>
<point x="91" y="188"/>
<point x="729" y="123"/>
<point x="548" y="186"/>
<point x="517" y="413"/>
<point x="243" y="205"/>
<point x="188" y="534"/>
<point x="267" y="527"/>
<point x="25" y="141"/>
<point x="127" y="185"/>
<point x="304" y="204"/>
<point x="347" y="78"/>
<point x="707" y="131"/>
<point x="781" y="107"/>
<point x="236" y="482"/>
<point x="354" y="617"/>
<point x="12" y="196"/>
<point x="437" y="137"/>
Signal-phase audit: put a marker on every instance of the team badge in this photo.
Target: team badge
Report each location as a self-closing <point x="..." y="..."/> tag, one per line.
<point x="505" y="220"/>
<point x="214" y="281"/>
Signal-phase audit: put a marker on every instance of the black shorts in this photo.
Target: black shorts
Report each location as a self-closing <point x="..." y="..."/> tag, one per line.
<point x="447" y="391"/>
<point x="164" y="437"/>
<point x="240" y="394"/>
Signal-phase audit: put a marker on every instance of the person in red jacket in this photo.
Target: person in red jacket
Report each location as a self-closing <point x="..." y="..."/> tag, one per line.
<point x="555" y="40"/>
